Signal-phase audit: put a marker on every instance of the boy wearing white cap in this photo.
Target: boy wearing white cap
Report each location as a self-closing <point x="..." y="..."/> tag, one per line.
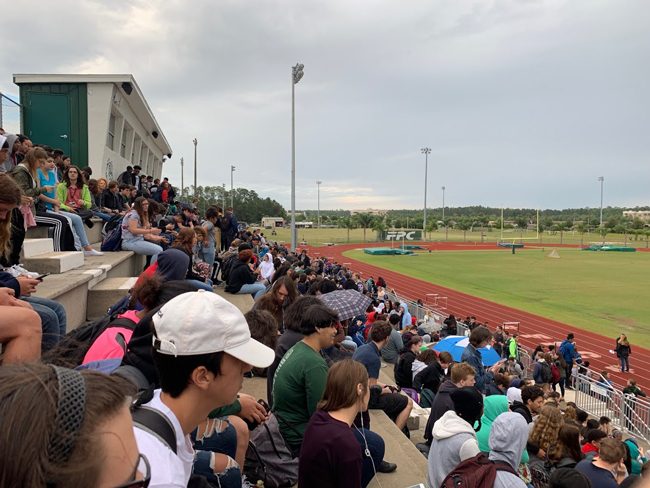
<point x="201" y="348"/>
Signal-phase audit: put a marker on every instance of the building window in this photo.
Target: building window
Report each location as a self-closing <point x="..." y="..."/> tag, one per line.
<point x="110" y="140"/>
<point x="126" y="139"/>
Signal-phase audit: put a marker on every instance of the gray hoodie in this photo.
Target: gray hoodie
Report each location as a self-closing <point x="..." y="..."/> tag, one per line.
<point x="508" y="438"/>
<point x="8" y="164"/>
<point x="453" y="441"/>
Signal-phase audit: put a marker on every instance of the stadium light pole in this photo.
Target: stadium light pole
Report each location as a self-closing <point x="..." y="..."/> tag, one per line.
<point x="602" y="181"/>
<point x="318" y="183"/>
<point x="182" y="178"/>
<point x="443" y="204"/>
<point x="224" y="196"/>
<point x="296" y="75"/>
<point x="426" y="151"/>
<point x="232" y="192"/>
<point x="195" y="143"/>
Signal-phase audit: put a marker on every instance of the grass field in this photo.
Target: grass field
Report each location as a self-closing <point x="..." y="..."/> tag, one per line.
<point x="602" y="292"/>
<point x="317" y="237"/>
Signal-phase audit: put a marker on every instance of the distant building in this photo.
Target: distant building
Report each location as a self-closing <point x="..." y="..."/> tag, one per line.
<point x="642" y="215"/>
<point x="271" y="222"/>
<point x="370" y="211"/>
<point x="101" y="121"/>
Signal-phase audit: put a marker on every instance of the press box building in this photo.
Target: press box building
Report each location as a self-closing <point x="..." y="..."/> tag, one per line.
<point x="101" y="121"/>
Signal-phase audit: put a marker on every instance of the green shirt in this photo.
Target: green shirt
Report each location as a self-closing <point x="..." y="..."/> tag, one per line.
<point x="298" y="386"/>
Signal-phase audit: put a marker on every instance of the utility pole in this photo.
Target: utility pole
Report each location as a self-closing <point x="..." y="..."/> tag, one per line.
<point x="296" y="75"/>
<point x="602" y="181"/>
<point x="426" y="151"/>
<point x="195" y="184"/>
<point x="182" y="178"/>
<point x="318" y="183"/>
<point x="232" y="192"/>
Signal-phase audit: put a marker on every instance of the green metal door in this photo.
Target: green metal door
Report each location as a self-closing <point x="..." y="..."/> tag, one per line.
<point x="50" y="122"/>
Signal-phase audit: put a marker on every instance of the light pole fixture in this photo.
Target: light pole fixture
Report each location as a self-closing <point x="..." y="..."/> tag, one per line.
<point x="232" y="192"/>
<point x="602" y="181"/>
<point x="224" y="196"/>
<point x="426" y="151"/>
<point x="443" y="203"/>
<point x="182" y="178"/>
<point x="318" y="183"/>
<point x="296" y="75"/>
<point x="195" y="184"/>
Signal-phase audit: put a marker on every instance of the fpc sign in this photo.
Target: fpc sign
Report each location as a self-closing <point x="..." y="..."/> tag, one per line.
<point x="406" y="235"/>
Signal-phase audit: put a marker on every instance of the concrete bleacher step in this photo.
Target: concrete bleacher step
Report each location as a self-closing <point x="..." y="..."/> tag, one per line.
<point x="243" y="302"/>
<point x="35" y="247"/>
<point x="54" y="262"/>
<point x="106" y="293"/>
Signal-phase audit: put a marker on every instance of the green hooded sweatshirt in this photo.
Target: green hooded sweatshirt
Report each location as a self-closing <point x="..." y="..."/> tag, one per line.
<point x="493" y="406"/>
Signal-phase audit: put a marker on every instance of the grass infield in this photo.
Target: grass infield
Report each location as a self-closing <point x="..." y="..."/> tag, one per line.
<point x="604" y="292"/>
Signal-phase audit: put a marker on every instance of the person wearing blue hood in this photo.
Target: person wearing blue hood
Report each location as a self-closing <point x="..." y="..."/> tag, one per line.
<point x="508" y="438"/>
<point x="568" y="351"/>
<point x="406" y="316"/>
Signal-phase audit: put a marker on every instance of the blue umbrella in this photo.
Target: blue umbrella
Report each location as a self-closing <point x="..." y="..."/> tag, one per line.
<point x="455" y="345"/>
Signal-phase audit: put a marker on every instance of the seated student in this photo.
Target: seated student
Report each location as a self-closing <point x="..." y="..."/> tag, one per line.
<point x="330" y="454"/>
<point x="202" y="348"/>
<point x="607" y="470"/>
<point x="185" y="242"/>
<point x="112" y="202"/>
<point x="137" y="233"/>
<point x="532" y="401"/>
<point x="74" y="198"/>
<point x="462" y="375"/>
<point x="301" y="375"/>
<point x="390" y="352"/>
<point x="507" y="445"/>
<point x="20" y="330"/>
<point x="404" y="367"/>
<point x="593" y="440"/>
<point x="396" y="406"/>
<point x="281" y="295"/>
<point x="48" y="444"/>
<point x="454" y="436"/>
<point x="241" y="278"/>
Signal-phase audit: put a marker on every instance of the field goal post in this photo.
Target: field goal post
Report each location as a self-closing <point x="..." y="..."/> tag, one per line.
<point x="514" y="239"/>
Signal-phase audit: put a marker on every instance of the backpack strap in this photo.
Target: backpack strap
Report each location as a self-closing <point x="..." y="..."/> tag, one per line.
<point x="504" y="466"/>
<point x="156" y="424"/>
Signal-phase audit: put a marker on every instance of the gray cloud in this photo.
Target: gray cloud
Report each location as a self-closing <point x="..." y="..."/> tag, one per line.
<point x="522" y="102"/>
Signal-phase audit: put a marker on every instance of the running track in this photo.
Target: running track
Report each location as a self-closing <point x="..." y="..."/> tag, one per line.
<point x="533" y="328"/>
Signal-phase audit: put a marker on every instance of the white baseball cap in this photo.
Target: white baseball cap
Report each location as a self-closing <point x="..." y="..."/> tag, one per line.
<point x="202" y="322"/>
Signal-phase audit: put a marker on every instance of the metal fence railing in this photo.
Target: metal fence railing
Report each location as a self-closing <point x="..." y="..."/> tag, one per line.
<point x="599" y="398"/>
<point x="430" y="318"/>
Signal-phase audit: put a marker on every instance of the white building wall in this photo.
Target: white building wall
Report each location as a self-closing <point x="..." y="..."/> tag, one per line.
<point x="104" y="98"/>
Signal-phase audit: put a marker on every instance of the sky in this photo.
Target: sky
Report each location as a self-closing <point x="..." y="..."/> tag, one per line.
<point x="523" y="103"/>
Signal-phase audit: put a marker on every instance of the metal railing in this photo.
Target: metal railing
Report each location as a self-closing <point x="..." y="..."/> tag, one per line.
<point x="599" y="398"/>
<point x="430" y="317"/>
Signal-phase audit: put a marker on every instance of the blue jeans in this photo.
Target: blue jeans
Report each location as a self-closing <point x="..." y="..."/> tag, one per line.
<point x="140" y="246"/>
<point x="255" y="289"/>
<point x="221" y="441"/>
<point x="376" y="447"/>
<point x="104" y="216"/>
<point x="200" y="285"/>
<point x="53" y="319"/>
<point x="625" y="363"/>
<point x="78" y="226"/>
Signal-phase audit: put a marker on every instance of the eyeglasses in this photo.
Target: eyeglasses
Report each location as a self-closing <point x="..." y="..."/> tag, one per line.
<point x="143" y="469"/>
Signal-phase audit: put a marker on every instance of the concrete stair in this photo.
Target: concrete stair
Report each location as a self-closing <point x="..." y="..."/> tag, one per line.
<point x="35" y="247"/>
<point x="243" y="302"/>
<point x="54" y="262"/>
<point x="106" y="293"/>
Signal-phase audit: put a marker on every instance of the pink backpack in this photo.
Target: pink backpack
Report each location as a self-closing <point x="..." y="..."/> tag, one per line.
<point x="111" y="343"/>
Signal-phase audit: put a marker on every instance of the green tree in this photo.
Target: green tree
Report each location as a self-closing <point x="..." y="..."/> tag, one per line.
<point x="464" y="225"/>
<point x="379" y="226"/>
<point x="347" y="223"/>
<point x="364" y="221"/>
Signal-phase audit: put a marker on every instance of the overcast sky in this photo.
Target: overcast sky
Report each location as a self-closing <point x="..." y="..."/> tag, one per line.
<point x="523" y="103"/>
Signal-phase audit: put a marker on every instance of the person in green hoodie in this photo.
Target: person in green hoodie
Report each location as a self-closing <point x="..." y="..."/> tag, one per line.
<point x="493" y="406"/>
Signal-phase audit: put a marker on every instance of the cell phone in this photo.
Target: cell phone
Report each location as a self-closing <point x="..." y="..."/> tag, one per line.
<point x="40" y="277"/>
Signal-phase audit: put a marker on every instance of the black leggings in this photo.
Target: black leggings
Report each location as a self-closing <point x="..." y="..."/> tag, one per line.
<point x="63" y="237"/>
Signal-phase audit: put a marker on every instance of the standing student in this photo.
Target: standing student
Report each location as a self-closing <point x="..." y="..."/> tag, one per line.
<point x="478" y="338"/>
<point x="623" y="352"/>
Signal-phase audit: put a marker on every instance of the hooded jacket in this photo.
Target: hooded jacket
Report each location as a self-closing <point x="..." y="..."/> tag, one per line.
<point x="9" y="163"/>
<point x="472" y="356"/>
<point x="454" y="440"/>
<point x="508" y="438"/>
<point x="521" y="409"/>
<point x="441" y="404"/>
<point x="493" y="406"/>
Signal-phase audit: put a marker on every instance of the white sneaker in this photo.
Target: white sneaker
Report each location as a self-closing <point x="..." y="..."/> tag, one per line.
<point x="245" y="483"/>
<point x="93" y="252"/>
<point x="17" y="270"/>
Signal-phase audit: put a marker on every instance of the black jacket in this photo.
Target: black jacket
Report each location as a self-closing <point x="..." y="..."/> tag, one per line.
<point x="240" y="275"/>
<point x="441" y="404"/>
<point x="430" y="378"/>
<point x="522" y="409"/>
<point x="404" y="369"/>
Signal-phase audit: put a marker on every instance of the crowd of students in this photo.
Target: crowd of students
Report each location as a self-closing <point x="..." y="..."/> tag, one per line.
<point x="155" y="387"/>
